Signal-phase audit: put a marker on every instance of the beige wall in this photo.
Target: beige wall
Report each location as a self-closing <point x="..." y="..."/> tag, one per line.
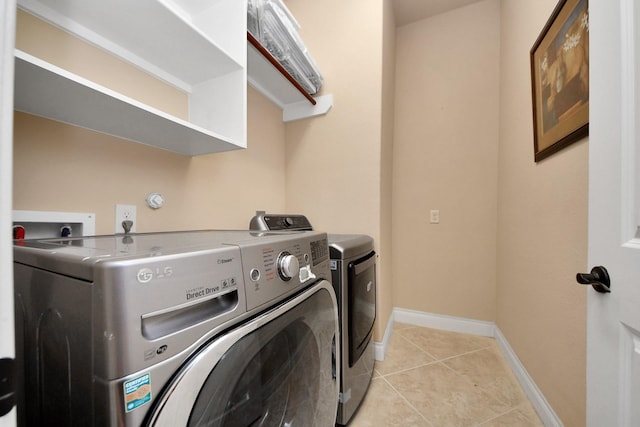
<point x="513" y="233"/>
<point x="445" y="158"/>
<point x="333" y="161"/>
<point x="542" y="233"/>
<point x="334" y="165"/>
<point x="64" y="168"/>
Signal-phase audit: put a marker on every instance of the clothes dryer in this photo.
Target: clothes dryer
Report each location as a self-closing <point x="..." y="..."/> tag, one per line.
<point x="353" y="275"/>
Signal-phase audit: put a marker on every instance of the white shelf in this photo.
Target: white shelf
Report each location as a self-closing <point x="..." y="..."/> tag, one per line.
<point x="156" y="35"/>
<point x="196" y="45"/>
<point x="45" y="90"/>
<point x="263" y="76"/>
<point x="273" y="83"/>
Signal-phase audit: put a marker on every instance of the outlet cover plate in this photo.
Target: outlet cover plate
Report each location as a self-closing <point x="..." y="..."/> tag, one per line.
<point x="123" y="213"/>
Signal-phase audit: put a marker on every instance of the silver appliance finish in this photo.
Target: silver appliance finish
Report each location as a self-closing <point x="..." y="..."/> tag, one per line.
<point x="353" y="277"/>
<point x="354" y="280"/>
<point x="105" y="324"/>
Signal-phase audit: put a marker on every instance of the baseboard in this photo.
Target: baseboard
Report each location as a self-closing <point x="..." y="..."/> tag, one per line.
<point x="381" y="348"/>
<point x="546" y="413"/>
<point x="475" y="327"/>
<point x="440" y="321"/>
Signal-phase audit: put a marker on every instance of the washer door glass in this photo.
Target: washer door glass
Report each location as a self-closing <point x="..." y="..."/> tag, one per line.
<point x="281" y="373"/>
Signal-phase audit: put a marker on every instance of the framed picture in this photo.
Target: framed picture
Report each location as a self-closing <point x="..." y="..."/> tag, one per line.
<point x="560" y="79"/>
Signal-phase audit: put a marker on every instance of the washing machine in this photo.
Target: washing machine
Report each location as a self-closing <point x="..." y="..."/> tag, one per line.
<point x="353" y="273"/>
<point x="216" y="328"/>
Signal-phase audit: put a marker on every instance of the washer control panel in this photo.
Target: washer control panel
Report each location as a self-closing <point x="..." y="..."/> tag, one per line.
<point x="284" y="266"/>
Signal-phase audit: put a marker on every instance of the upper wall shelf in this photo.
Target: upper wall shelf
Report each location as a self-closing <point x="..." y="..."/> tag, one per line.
<point x="47" y="91"/>
<point x="173" y="40"/>
<point x="197" y="46"/>
<point x="266" y="64"/>
<point x="265" y="73"/>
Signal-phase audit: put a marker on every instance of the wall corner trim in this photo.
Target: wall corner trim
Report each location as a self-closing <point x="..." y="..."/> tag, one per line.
<point x="475" y="327"/>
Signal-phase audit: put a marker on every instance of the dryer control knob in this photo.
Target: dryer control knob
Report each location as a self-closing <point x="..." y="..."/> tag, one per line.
<point x="288" y="266"/>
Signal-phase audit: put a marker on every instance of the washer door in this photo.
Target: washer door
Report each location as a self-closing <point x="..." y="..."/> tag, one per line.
<point x="278" y="369"/>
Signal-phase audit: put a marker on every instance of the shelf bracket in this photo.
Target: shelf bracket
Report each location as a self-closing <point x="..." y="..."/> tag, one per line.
<point x="303" y="109"/>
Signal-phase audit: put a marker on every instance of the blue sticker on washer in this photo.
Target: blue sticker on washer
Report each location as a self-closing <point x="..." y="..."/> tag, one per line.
<point x="137" y="392"/>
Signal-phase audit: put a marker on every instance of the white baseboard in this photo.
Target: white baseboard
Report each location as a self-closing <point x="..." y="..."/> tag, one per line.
<point x="545" y="411"/>
<point x="440" y="321"/>
<point x="381" y="348"/>
<point x="476" y="327"/>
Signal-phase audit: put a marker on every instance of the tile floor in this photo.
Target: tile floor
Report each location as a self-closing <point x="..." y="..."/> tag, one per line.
<point x="434" y="378"/>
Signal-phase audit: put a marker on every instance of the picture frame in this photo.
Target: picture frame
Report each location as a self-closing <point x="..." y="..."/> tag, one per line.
<point x="560" y="79"/>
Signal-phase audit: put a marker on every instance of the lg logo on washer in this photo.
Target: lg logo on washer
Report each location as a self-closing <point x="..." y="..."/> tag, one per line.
<point x="145" y="275"/>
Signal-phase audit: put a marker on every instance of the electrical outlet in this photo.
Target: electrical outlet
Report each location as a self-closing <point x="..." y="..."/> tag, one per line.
<point x="434" y="216"/>
<point x="125" y="213"/>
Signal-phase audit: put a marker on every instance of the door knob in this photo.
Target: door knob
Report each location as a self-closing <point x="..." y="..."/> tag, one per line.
<point x="598" y="278"/>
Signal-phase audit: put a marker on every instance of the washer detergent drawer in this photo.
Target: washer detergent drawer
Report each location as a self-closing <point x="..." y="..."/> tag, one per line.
<point x="276" y="369"/>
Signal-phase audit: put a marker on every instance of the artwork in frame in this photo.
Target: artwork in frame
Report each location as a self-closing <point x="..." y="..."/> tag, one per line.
<point x="560" y="79"/>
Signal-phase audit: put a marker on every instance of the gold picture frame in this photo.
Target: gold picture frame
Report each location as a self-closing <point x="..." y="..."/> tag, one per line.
<point x="560" y="79"/>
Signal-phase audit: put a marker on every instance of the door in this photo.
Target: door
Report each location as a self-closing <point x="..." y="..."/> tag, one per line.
<point x="278" y="369"/>
<point x="613" y="326"/>
<point x="7" y="350"/>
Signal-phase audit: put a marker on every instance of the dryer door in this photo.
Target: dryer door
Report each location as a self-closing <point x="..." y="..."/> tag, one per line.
<point x="275" y="370"/>
<point x="362" y="304"/>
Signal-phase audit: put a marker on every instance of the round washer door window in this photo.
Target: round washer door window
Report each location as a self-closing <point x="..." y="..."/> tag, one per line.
<point x="271" y="379"/>
<point x="281" y="373"/>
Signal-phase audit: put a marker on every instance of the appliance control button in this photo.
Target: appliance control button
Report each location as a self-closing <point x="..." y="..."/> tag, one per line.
<point x="254" y="274"/>
<point x="287" y="221"/>
<point x="288" y="266"/>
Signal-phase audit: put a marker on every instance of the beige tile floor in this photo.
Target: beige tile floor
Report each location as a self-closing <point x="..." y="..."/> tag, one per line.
<point x="434" y="378"/>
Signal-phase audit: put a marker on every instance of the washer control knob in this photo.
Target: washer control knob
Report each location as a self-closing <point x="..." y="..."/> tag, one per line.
<point x="287" y="221"/>
<point x="288" y="266"/>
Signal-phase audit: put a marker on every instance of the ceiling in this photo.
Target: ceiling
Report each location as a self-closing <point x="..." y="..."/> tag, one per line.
<point x="408" y="11"/>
